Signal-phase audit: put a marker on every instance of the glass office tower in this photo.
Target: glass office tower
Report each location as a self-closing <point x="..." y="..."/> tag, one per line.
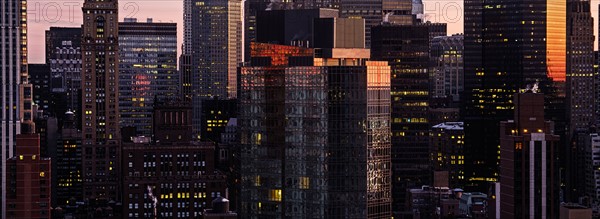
<point x="147" y="70"/>
<point x="508" y="46"/>
<point x="314" y="127"/>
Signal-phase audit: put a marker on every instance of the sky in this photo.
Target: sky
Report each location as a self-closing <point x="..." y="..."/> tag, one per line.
<point x="44" y="14"/>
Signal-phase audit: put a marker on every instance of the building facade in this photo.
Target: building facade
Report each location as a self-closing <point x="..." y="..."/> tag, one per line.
<point x="375" y="12"/>
<point x="447" y="151"/>
<point x="181" y="178"/>
<point x="337" y="106"/>
<point x="293" y="27"/>
<point x="498" y="32"/>
<point x="448" y="72"/>
<point x="40" y="77"/>
<point x="68" y="184"/>
<point x="216" y="114"/>
<point x="65" y="68"/>
<point x="100" y="94"/>
<point x="580" y="91"/>
<point x="215" y="43"/>
<point x="147" y="70"/>
<point x="580" y="66"/>
<point x="14" y="74"/>
<point x="29" y="178"/>
<point x="529" y="176"/>
<point x="170" y="177"/>
<point x="55" y="36"/>
<point x="406" y="48"/>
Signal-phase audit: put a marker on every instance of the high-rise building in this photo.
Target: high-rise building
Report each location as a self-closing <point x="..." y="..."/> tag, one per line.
<point x="181" y="177"/>
<point x="185" y="76"/>
<point x="406" y="48"/>
<point x="68" y="184"/>
<point x="215" y="44"/>
<point x="16" y="93"/>
<point x="65" y="67"/>
<point x="448" y="72"/>
<point x="508" y="46"/>
<point x="253" y="7"/>
<point x="284" y="162"/>
<point x="29" y="178"/>
<point x="529" y="176"/>
<point x="336" y="104"/>
<point x="293" y="27"/>
<point x="580" y="91"/>
<point x="216" y="114"/>
<point x="446" y="149"/>
<point x="147" y="70"/>
<point x="170" y="177"/>
<point x="40" y="78"/>
<point x="375" y="12"/>
<point x="597" y="84"/>
<point x="580" y="66"/>
<point x="55" y="36"/>
<point x="100" y="91"/>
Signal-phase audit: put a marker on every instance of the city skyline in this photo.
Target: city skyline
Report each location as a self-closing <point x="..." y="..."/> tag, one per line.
<point x="300" y="109"/>
<point x="44" y="14"/>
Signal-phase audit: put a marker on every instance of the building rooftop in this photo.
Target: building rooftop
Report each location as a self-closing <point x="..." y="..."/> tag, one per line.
<point x="450" y="126"/>
<point x="573" y="206"/>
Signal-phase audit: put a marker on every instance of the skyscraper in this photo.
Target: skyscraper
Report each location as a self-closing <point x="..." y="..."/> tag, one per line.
<point x="100" y="91"/>
<point x="529" y="176"/>
<point x="254" y="7"/>
<point x="65" y="67"/>
<point x="214" y="40"/>
<point x="39" y="76"/>
<point x="580" y="91"/>
<point x="406" y="48"/>
<point x="147" y="70"/>
<point x="14" y="82"/>
<point x="508" y="45"/>
<point x="448" y="72"/>
<point x="314" y="129"/>
<point x="374" y="12"/>
<point x="55" y="36"/>
<point x="67" y="183"/>
<point x="293" y="27"/>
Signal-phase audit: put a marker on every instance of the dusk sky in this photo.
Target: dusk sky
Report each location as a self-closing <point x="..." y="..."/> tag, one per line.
<point x="67" y="13"/>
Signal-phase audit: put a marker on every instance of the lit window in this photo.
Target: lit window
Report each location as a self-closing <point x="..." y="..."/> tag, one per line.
<point x="42" y="174"/>
<point x="518" y="146"/>
<point x="304" y="182"/>
<point x="257" y="181"/>
<point x="275" y="195"/>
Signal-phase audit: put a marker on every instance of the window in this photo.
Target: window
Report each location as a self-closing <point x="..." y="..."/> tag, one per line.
<point x="304" y="182"/>
<point x="275" y="195"/>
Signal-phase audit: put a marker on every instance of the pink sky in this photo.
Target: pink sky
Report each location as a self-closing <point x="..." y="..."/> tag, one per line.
<point x="67" y="13"/>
